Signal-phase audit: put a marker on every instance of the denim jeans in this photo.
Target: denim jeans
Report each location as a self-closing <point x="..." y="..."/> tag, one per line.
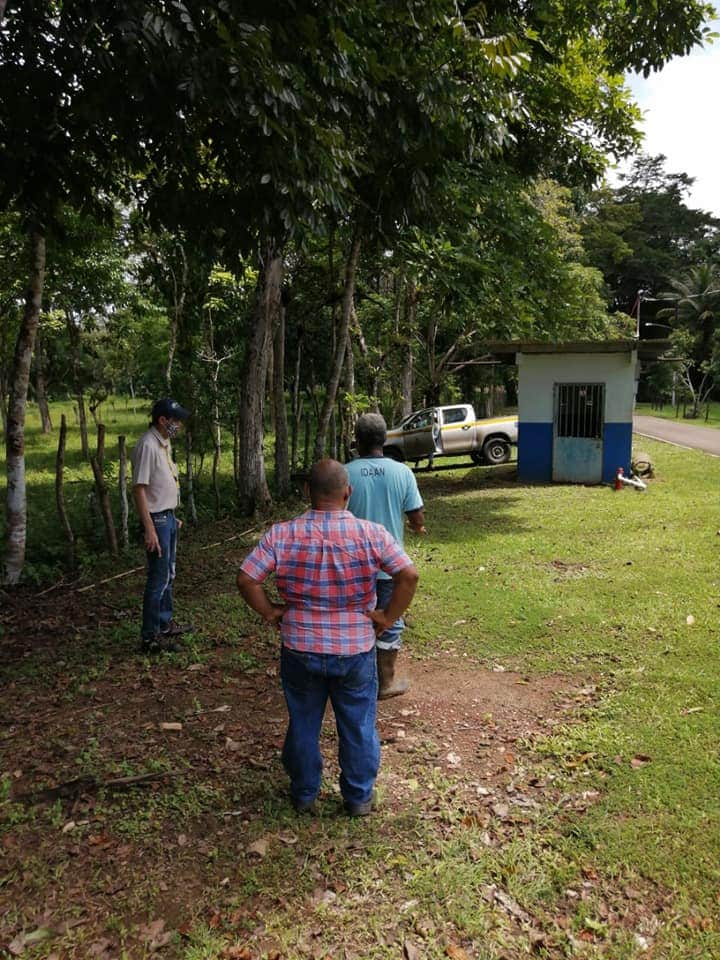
<point x="158" y="599"/>
<point x="391" y="639"/>
<point x="351" y="683"/>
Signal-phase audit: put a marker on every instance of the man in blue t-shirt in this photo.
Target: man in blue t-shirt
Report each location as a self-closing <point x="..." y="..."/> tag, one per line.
<point x="385" y="492"/>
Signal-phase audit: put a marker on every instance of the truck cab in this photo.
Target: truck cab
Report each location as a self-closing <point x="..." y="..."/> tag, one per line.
<point x="449" y="431"/>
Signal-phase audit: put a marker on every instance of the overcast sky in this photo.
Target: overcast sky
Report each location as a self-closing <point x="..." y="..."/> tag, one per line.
<point x="681" y="105"/>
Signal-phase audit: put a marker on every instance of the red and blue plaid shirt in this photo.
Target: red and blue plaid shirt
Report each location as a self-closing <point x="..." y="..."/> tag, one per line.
<point x="325" y="564"/>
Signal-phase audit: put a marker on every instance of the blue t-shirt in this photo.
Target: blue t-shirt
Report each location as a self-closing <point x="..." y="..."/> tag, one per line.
<point x="383" y="491"/>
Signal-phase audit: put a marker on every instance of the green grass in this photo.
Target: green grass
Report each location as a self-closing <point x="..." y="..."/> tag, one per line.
<point x="709" y="413"/>
<point x="586" y="579"/>
<point x="46" y="546"/>
<point x="585" y="582"/>
<point x="597" y="584"/>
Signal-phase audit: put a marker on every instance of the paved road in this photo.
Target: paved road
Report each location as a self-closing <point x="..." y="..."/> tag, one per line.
<point x="680" y="432"/>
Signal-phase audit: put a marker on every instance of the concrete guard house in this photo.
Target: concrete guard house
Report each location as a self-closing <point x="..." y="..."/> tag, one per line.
<point x="575" y="406"/>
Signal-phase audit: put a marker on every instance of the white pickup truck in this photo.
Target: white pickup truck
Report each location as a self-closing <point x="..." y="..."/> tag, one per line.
<point x="452" y="431"/>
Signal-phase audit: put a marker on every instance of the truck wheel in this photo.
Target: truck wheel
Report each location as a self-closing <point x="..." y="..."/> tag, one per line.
<point x="395" y="454"/>
<point x="496" y="450"/>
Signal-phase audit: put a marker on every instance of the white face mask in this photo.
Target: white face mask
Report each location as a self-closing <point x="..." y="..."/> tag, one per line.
<point x="172" y="429"/>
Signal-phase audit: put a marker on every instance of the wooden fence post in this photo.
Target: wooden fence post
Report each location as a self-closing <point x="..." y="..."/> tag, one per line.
<point x="122" y="483"/>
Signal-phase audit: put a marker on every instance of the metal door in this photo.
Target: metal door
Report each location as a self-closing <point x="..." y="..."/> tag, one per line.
<point x="578" y="432"/>
<point x="418" y="439"/>
<point x="456" y="430"/>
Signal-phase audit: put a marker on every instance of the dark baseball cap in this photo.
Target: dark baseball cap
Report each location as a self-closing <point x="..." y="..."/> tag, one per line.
<point x="166" y="407"/>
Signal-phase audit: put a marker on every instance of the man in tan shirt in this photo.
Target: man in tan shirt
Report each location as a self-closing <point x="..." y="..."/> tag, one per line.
<point x="156" y="493"/>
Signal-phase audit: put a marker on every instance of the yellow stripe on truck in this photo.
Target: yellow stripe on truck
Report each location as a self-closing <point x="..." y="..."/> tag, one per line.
<point x="478" y="423"/>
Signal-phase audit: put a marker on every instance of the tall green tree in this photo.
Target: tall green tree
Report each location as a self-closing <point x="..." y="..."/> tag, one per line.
<point x="643" y="233"/>
<point x="262" y="124"/>
<point x="695" y="321"/>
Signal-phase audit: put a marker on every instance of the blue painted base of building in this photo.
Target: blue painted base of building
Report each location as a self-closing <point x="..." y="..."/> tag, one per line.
<point x="535" y="451"/>
<point x="535" y="447"/>
<point x="617" y="450"/>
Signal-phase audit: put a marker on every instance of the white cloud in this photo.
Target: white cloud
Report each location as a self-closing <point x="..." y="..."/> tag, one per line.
<point x="680" y="106"/>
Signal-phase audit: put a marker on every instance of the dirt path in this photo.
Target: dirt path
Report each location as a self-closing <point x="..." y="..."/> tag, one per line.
<point x="105" y="868"/>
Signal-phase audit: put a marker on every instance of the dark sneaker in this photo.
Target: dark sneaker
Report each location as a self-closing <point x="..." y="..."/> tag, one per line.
<point x="175" y="629"/>
<point x="304" y="806"/>
<point x="160" y="643"/>
<point x="361" y="809"/>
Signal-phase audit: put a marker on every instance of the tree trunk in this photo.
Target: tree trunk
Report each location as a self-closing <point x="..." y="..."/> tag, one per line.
<point x="40" y="388"/>
<point x="3" y="399"/>
<point x="306" y="447"/>
<point x="253" y="490"/>
<point x="297" y="407"/>
<point x="270" y="379"/>
<point x="122" y="487"/>
<point x="216" y="437"/>
<point x="189" y="477"/>
<point x="179" y="295"/>
<point x="98" y="463"/>
<point x="96" y="410"/>
<point x="236" y="452"/>
<point x="341" y="343"/>
<point x="82" y="423"/>
<point x="213" y="359"/>
<point x="282" y="462"/>
<point x="332" y="433"/>
<point x="406" y="383"/>
<point x="16" y="503"/>
<point x="216" y="462"/>
<point x="60" y="494"/>
<point x="348" y="413"/>
<point x="74" y="337"/>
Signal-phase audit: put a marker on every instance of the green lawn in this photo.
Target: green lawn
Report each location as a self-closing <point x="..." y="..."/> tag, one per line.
<point x="616" y="592"/>
<point x="709" y="413"/>
<point x="625" y="587"/>
<point x="46" y="546"/>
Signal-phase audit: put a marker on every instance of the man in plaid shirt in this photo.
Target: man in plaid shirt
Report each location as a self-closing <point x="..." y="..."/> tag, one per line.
<point x="325" y="564"/>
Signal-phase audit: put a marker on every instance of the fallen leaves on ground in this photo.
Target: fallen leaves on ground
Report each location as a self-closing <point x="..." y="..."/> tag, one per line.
<point x="258" y="848"/>
<point x="455" y="952"/>
<point x="155" y="934"/>
<point x="237" y="953"/>
<point x="22" y="940"/>
<point x="579" y="760"/>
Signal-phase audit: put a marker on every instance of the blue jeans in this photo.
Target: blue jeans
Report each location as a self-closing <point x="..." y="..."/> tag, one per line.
<point x="158" y="599"/>
<point x="351" y="683"/>
<point x="391" y="639"/>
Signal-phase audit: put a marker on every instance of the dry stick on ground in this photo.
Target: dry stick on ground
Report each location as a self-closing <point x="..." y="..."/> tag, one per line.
<point x="127" y="573"/>
<point x="122" y="485"/>
<point x="118" y="576"/>
<point x="59" y="493"/>
<point x="97" y="463"/>
<point x="74" y="788"/>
